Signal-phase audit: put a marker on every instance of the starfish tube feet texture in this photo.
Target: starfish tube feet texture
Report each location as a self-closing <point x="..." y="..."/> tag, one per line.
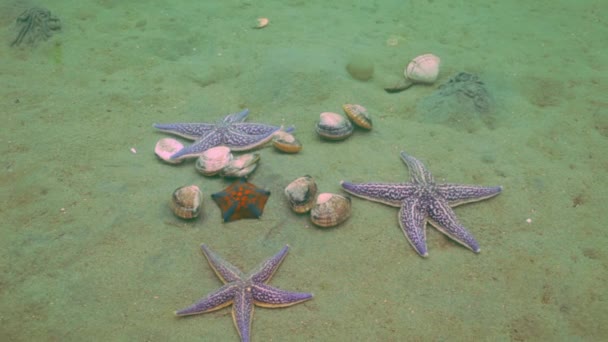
<point x="243" y="291"/>
<point x="421" y="200"/>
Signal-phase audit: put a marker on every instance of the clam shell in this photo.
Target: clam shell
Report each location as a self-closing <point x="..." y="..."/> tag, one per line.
<point x="330" y="210"/>
<point x="166" y="147"/>
<point x="333" y="126"/>
<point x="358" y="115"/>
<point x="241" y="166"/>
<point x="213" y="160"/>
<point x="286" y="142"/>
<point x="186" y="202"/>
<point x="301" y="194"/>
<point x="423" y="69"/>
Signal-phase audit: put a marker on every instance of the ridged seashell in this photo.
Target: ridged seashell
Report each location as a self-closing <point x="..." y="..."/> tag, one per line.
<point x="423" y="69"/>
<point x="186" y="202"/>
<point x="242" y="165"/>
<point x="330" y="210"/>
<point x="301" y="194"/>
<point x="358" y="115"/>
<point x="334" y="126"/>
<point x="166" y="147"/>
<point x="286" y="142"/>
<point x="212" y="161"/>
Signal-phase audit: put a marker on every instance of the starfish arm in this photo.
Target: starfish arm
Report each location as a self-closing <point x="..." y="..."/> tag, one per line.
<point x="254" y="128"/>
<point x="418" y="172"/>
<point x="457" y="194"/>
<point x="412" y="220"/>
<point x="238" y="141"/>
<point x="288" y="129"/>
<point x="236" y="117"/>
<point x="214" y="301"/>
<point x="225" y="271"/>
<point x="265" y="270"/>
<point x="272" y="297"/>
<point x="242" y="313"/>
<point x="388" y="193"/>
<point x="444" y="219"/>
<point x="210" y="140"/>
<point x="190" y="131"/>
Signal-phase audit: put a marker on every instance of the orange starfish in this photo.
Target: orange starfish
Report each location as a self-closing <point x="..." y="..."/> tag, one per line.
<point x="241" y="200"/>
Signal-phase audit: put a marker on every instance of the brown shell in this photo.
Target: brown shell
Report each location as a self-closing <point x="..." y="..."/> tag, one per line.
<point x="330" y="210"/>
<point x="286" y="142"/>
<point x="186" y="202"/>
<point x="358" y="115"/>
<point x="301" y="194"/>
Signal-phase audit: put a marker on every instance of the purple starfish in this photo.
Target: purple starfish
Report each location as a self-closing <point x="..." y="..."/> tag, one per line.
<point x="422" y="200"/>
<point x="243" y="291"/>
<point x="231" y="131"/>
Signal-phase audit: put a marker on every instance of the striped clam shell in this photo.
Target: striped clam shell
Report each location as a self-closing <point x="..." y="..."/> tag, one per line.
<point x="358" y="115"/>
<point x="333" y="126"/>
<point x="186" y="202"/>
<point x="286" y="142"/>
<point x="330" y="210"/>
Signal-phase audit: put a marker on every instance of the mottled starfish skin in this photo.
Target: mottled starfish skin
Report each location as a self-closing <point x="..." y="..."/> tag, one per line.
<point x="244" y="291"/>
<point x="422" y="200"/>
<point x="231" y="131"/>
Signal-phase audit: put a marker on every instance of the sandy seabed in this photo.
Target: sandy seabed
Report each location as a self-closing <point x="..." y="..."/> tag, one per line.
<point x="90" y="250"/>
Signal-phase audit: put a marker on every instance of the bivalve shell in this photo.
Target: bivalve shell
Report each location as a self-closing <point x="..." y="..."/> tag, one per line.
<point x="423" y="69"/>
<point x="333" y="126"/>
<point x="186" y="202"/>
<point x="286" y="142"/>
<point x="301" y="194"/>
<point x="167" y="147"/>
<point x="358" y="115"/>
<point x="330" y="210"/>
<point x="213" y="160"/>
<point x="241" y="166"/>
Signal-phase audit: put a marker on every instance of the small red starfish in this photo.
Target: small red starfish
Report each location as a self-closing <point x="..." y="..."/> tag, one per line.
<point x="241" y="200"/>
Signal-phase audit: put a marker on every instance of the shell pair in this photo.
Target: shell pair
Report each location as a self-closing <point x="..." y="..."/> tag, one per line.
<point x="219" y="160"/>
<point x="326" y="209"/>
<point x="333" y="126"/>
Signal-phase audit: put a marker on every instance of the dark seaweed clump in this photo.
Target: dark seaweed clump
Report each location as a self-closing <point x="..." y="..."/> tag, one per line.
<point x="35" y="24"/>
<point x="463" y="102"/>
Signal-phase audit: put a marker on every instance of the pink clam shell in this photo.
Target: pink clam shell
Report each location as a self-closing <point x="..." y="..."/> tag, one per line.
<point x="167" y="147"/>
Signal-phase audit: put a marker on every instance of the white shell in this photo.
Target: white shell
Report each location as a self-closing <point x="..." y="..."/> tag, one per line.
<point x="167" y="147"/>
<point x="213" y="160"/>
<point x="423" y="69"/>
<point x="242" y="165"/>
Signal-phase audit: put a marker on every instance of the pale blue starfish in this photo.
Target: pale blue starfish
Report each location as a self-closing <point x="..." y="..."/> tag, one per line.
<point x="243" y="291"/>
<point x="231" y="132"/>
<point x="422" y="200"/>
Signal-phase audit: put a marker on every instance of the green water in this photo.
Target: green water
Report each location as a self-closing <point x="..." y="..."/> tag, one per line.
<point x="91" y="251"/>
